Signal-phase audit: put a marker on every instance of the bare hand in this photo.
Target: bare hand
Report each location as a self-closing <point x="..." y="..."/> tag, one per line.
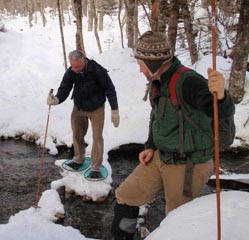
<point x="145" y="156"/>
<point x="216" y="83"/>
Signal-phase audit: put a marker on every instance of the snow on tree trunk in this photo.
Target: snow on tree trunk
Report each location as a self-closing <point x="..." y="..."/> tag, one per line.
<point x="240" y="55"/>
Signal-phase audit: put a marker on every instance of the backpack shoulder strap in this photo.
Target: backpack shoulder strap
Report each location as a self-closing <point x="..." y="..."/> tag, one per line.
<point x="175" y="102"/>
<point x="172" y="85"/>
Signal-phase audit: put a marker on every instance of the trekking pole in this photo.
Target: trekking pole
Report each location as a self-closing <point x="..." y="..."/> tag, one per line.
<point x="37" y="195"/>
<point x="216" y="124"/>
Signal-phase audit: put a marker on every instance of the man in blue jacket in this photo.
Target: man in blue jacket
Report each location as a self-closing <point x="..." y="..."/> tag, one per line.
<point x="91" y="86"/>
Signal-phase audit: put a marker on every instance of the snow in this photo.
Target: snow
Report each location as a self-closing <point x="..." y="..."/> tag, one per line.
<point x="196" y="220"/>
<point x="31" y="63"/>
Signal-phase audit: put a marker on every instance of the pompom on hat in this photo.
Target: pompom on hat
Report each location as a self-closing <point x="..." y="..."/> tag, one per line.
<point x="153" y="46"/>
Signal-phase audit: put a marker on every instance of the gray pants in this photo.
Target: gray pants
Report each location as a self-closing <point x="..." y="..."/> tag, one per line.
<point x="79" y="122"/>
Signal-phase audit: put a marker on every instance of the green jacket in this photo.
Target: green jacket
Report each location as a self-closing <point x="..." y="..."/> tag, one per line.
<point x="164" y="129"/>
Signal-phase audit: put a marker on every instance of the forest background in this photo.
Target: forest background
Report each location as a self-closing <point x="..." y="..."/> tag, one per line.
<point x="185" y="22"/>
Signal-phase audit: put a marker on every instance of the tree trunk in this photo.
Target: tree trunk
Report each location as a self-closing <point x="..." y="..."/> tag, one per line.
<point x="120" y="23"/>
<point x="78" y="16"/>
<point x="145" y="11"/>
<point x="62" y="35"/>
<point x="96" y="27"/>
<point x="90" y="16"/>
<point x="84" y="7"/>
<point x="154" y="15"/>
<point x="188" y="26"/>
<point x="101" y="21"/>
<point x="62" y="13"/>
<point x="163" y="15"/>
<point x="69" y="16"/>
<point x="129" y="9"/>
<point x="240" y="55"/>
<point x="136" y="29"/>
<point x="40" y="7"/>
<point x="30" y="6"/>
<point x="173" y="23"/>
<point x="13" y="7"/>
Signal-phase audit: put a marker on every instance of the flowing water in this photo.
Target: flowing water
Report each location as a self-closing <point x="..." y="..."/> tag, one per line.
<point x="19" y="168"/>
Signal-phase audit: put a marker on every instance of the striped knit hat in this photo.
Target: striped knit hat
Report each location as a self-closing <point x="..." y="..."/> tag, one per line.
<point x="153" y="46"/>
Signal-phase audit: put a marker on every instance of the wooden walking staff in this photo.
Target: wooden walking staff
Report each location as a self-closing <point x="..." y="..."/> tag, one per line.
<point x="37" y="195"/>
<point x="216" y="124"/>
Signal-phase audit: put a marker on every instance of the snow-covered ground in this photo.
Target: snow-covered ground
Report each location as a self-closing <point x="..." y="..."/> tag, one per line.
<point x="31" y="63"/>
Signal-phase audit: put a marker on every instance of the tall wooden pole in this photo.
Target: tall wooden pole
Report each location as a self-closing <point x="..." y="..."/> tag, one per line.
<point x="216" y="124"/>
<point x="39" y="183"/>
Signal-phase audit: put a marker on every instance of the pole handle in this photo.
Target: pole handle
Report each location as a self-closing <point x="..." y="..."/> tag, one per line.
<point x="51" y="91"/>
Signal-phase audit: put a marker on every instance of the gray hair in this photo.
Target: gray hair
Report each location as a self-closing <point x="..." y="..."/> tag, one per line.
<point x="76" y="55"/>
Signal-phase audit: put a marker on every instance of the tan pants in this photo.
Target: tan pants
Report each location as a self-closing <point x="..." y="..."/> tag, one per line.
<point x="146" y="182"/>
<point x="79" y="122"/>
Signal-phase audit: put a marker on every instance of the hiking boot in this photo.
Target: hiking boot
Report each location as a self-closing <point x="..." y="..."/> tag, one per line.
<point x="94" y="175"/>
<point x="74" y="165"/>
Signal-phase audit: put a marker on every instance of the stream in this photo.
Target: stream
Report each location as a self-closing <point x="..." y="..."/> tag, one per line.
<point x="19" y="168"/>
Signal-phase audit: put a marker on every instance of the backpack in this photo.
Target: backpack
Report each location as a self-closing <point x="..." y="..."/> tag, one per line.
<point x="226" y="126"/>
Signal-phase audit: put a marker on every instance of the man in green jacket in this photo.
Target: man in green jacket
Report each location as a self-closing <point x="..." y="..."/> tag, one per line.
<point x="178" y="156"/>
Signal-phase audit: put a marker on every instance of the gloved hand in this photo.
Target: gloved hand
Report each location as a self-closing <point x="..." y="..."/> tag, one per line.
<point x="115" y="118"/>
<point x="52" y="100"/>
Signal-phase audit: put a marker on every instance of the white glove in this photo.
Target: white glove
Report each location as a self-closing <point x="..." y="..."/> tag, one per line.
<point x="52" y="100"/>
<point x="115" y="118"/>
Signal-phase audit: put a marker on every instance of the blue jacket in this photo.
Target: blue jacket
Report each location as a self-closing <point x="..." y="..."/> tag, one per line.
<point x="90" y="88"/>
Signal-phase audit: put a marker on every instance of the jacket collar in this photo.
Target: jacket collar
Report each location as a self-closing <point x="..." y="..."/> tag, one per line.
<point x="172" y="69"/>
